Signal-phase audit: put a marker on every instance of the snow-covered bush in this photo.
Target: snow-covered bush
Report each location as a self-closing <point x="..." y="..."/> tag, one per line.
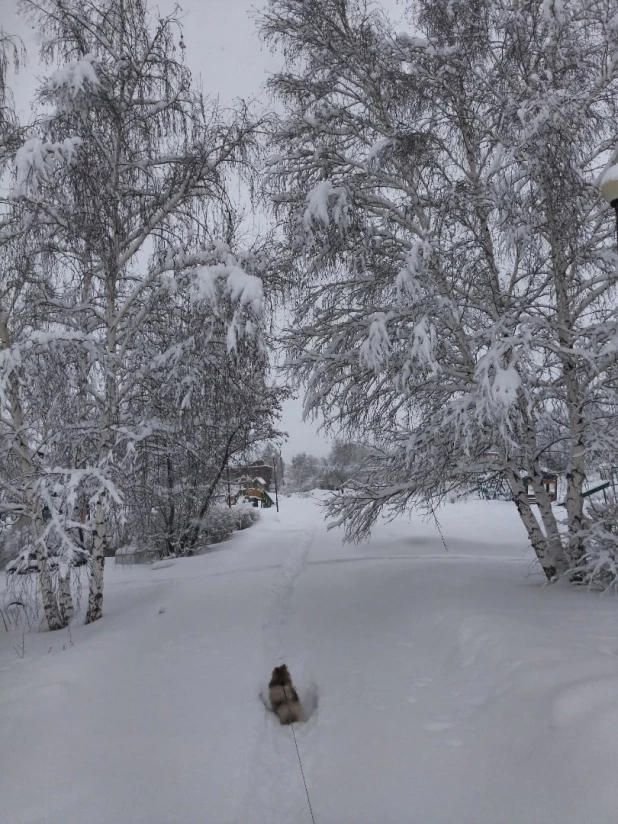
<point x="599" y="566"/>
<point x="218" y="524"/>
<point x="244" y="515"/>
<point x="134" y="553"/>
<point x="220" y="521"/>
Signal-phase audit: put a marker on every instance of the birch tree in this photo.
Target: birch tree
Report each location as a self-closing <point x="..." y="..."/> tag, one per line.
<point x="21" y="506"/>
<point x="439" y="190"/>
<point x="137" y="206"/>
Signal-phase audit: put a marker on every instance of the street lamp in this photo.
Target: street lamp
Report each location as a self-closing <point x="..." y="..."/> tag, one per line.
<point x="609" y="190"/>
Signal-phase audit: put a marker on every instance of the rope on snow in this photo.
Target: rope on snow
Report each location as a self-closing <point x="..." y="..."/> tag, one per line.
<point x="300" y="763"/>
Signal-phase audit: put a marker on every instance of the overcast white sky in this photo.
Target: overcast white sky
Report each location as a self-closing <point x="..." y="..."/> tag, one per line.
<point x="225" y="50"/>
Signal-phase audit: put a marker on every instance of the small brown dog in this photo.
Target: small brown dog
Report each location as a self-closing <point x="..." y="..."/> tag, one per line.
<point x="283" y="697"/>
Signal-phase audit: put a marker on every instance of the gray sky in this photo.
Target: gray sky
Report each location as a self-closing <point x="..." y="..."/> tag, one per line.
<point x="224" y="49"/>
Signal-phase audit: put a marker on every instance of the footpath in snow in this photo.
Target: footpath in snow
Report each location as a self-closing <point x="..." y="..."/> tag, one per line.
<point x="451" y="687"/>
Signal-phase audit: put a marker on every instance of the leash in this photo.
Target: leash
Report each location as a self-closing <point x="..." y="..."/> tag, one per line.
<point x="302" y="772"/>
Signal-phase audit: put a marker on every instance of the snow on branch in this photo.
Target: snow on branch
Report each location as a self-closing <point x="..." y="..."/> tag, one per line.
<point x="378" y="147"/>
<point x="37" y="158"/>
<point x="375" y="348"/>
<point x="229" y="281"/>
<point x="408" y="281"/>
<point x="34" y="343"/>
<point x="73" y="76"/>
<point x="498" y="382"/>
<point x="241" y="287"/>
<point x="320" y="199"/>
<point x="423" y="345"/>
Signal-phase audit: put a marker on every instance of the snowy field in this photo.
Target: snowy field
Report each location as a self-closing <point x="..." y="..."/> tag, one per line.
<point x="453" y="687"/>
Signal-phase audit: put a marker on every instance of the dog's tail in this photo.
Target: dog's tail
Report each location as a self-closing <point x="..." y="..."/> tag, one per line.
<point x="290" y="712"/>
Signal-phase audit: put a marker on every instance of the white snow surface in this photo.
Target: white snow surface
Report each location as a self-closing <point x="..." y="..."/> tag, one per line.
<point x="453" y="687"/>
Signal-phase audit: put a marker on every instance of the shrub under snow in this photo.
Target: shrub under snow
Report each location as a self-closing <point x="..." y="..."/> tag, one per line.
<point x="599" y="566"/>
<point x="222" y="521"/>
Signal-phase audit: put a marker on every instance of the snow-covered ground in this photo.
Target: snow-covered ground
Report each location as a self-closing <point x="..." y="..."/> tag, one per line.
<point x="453" y="687"/>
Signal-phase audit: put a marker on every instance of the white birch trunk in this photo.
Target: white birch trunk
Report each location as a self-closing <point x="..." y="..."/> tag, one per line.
<point x="552" y="533"/>
<point x="548" y="519"/>
<point x="108" y="415"/>
<point x="97" y="564"/>
<point x="65" y="598"/>
<point x="575" y="501"/>
<point x="545" y="552"/>
<point x="51" y="609"/>
<point x="576" y="473"/>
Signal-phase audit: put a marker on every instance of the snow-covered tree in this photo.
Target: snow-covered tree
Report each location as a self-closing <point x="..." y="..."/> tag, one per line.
<point x="205" y="406"/>
<point x="457" y="271"/>
<point x="22" y="507"/>
<point x="304" y="472"/>
<point x="127" y="176"/>
<point x="11" y="55"/>
<point x="347" y="464"/>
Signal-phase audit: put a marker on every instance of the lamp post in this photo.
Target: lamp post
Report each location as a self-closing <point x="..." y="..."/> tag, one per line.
<point x="609" y="190"/>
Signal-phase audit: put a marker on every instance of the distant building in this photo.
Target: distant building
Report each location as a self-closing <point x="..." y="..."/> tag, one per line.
<point x="256" y="475"/>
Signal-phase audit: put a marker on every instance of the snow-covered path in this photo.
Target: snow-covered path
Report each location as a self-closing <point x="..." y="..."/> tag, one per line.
<point x="453" y="688"/>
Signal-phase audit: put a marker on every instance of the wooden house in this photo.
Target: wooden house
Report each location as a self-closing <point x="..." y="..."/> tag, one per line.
<point x="550" y="484"/>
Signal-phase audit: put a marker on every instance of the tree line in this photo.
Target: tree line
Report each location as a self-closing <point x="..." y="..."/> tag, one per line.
<point x="343" y="468"/>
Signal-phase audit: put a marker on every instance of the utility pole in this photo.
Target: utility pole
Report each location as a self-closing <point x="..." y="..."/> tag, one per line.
<point x="276" y="490"/>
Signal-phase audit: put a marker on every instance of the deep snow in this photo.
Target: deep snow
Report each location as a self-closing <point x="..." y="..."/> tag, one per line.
<point x="453" y="687"/>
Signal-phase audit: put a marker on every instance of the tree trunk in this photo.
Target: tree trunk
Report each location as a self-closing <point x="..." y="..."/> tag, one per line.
<point x="552" y="533"/>
<point x="545" y="552"/>
<point x="576" y="473"/>
<point x="553" y="537"/>
<point x="65" y="598"/>
<point x="53" y="614"/>
<point x="97" y="564"/>
<point x="171" y="514"/>
<point x="194" y="535"/>
<point x="575" y="501"/>
<point x="109" y="415"/>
